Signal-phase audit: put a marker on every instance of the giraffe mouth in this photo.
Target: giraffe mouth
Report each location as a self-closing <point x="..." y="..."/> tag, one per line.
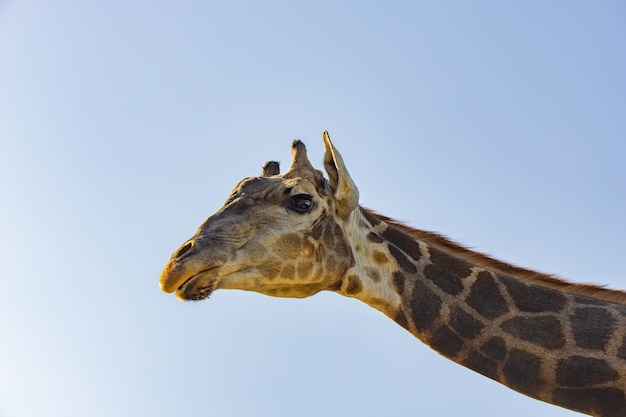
<point x="198" y="287"/>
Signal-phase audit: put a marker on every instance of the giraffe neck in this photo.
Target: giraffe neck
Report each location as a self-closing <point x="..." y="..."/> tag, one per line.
<point x="560" y="347"/>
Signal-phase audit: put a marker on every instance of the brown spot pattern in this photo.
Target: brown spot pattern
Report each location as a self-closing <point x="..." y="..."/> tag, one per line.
<point x="447" y="271"/>
<point x="424" y="306"/>
<point x="522" y="372"/>
<point x="495" y="348"/>
<point x="533" y="298"/>
<point x="586" y="300"/>
<point x="374" y="237"/>
<point x="398" y="281"/>
<point x="379" y="257"/>
<point x="333" y="250"/>
<point x="336" y="286"/>
<point x="354" y="285"/>
<point x="289" y="246"/>
<point x="373" y="274"/>
<point x="402" y="259"/>
<point x="592" y="327"/>
<point x="400" y="239"/>
<point x="544" y="331"/>
<point x="371" y="218"/>
<point x="485" y="297"/>
<point x="464" y="324"/>
<point x="446" y="342"/>
<point x="621" y="353"/>
<point x="606" y="402"/>
<point x="482" y="365"/>
<point x="401" y="319"/>
<point x="578" y="371"/>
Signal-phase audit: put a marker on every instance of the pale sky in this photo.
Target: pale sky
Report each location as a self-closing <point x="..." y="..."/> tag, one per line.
<point x="123" y="125"/>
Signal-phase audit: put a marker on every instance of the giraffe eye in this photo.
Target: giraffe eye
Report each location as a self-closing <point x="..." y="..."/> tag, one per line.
<point x="301" y="203"/>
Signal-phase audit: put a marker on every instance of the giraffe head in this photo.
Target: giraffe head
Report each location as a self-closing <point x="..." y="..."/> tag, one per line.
<point x="280" y="235"/>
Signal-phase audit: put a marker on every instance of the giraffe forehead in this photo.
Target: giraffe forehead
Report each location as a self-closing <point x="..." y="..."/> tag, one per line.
<point x="255" y="185"/>
<point x="262" y="186"/>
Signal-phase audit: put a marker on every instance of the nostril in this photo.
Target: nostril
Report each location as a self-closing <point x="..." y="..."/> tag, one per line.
<point x="184" y="249"/>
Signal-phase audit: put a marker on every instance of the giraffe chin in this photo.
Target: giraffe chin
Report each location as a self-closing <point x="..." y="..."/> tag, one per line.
<point x="197" y="287"/>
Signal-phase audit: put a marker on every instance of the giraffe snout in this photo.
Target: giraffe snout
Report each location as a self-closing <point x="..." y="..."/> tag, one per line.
<point x="174" y="274"/>
<point x="189" y="264"/>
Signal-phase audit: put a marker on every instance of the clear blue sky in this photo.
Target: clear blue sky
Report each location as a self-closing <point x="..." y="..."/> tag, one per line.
<point x="124" y="124"/>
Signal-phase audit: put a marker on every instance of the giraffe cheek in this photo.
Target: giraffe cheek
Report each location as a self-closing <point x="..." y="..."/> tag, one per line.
<point x="290" y="246"/>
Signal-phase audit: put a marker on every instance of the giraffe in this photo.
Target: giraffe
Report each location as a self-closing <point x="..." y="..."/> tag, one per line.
<point x="296" y="234"/>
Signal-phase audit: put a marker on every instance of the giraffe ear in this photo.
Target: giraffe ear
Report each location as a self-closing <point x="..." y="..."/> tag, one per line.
<point x="344" y="190"/>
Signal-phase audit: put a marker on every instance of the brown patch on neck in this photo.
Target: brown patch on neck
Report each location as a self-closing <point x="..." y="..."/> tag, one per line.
<point x="487" y="262"/>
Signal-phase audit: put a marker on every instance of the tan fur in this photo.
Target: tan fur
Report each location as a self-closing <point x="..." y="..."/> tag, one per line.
<point x="485" y="261"/>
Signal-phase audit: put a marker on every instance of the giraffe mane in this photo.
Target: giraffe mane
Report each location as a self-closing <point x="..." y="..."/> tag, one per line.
<point x="487" y="262"/>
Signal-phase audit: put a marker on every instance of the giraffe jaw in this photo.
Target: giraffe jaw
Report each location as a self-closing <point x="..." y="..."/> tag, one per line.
<point x="199" y="286"/>
<point x="202" y="284"/>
